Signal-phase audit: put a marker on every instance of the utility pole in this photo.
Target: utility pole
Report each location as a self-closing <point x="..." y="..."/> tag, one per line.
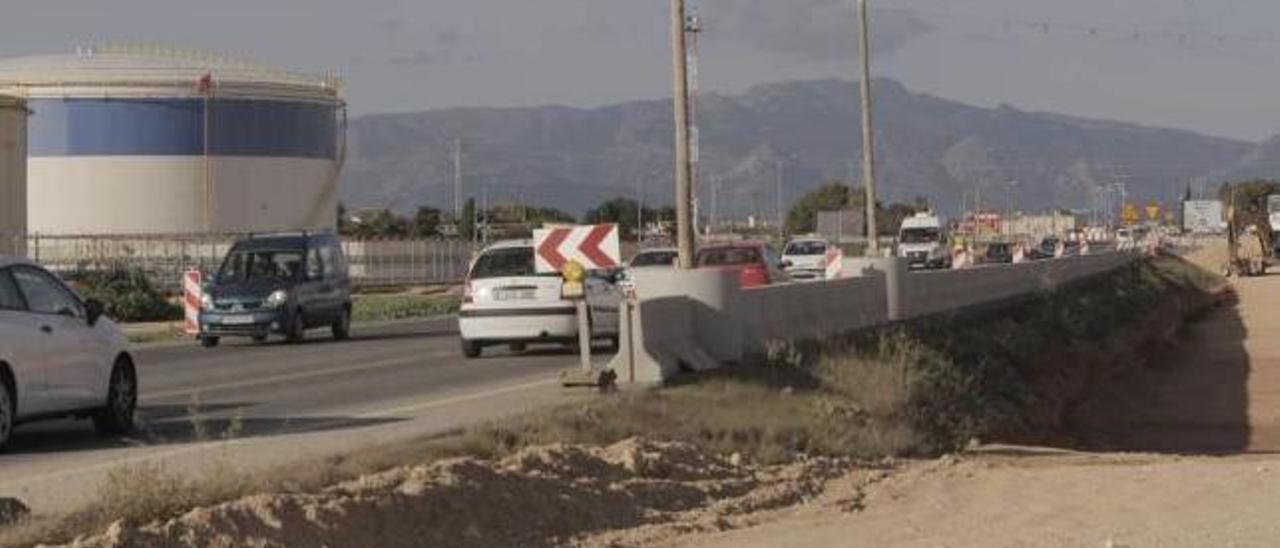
<point x="868" y="142"/>
<point x="640" y="209"/>
<point x="457" y="179"/>
<point x="777" y="173"/>
<point x="715" y="192"/>
<point x="684" y="166"/>
<point x="693" y="28"/>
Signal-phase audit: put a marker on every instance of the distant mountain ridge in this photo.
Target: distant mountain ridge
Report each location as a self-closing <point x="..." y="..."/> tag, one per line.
<point x="808" y="131"/>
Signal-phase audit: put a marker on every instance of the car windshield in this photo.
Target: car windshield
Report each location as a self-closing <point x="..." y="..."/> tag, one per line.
<point x="507" y="262"/>
<point x="261" y="264"/>
<point x="919" y="235"/>
<point x="806" y="248"/>
<point x="654" y="258"/>
<point x="728" y="256"/>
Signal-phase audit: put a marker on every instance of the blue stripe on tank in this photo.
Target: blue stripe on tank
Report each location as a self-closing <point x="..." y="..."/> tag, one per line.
<point x="175" y="127"/>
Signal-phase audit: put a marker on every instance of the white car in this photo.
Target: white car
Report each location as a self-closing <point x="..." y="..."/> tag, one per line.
<point x="805" y="259"/>
<point x="507" y="302"/>
<point x="59" y="357"/>
<point x="658" y="257"/>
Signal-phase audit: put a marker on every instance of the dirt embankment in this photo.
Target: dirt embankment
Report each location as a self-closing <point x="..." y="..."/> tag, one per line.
<point x="1070" y="379"/>
<point x="629" y="492"/>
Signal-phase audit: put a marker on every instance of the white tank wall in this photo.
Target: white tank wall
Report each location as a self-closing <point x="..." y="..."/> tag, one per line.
<point x="13" y="175"/>
<point x="165" y="194"/>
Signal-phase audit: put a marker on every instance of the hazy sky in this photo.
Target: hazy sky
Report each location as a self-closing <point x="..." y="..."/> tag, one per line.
<point x="1208" y="66"/>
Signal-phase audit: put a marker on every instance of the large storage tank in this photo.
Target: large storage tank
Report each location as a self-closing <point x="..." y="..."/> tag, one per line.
<point x="13" y="174"/>
<point x="132" y="140"/>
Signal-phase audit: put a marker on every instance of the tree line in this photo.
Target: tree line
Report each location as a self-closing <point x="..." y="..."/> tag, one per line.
<point x="518" y="221"/>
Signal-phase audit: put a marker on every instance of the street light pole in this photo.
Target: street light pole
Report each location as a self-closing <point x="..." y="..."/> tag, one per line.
<point x="684" y="167"/>
<point x="868" y="144"/>
<point x="778" y="173"/>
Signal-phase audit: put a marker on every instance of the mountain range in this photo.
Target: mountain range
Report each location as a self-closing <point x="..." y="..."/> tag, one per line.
<point x="794" y="135"/>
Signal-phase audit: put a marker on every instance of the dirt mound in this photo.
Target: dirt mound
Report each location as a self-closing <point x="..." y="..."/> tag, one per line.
<point x="544" y="496"/>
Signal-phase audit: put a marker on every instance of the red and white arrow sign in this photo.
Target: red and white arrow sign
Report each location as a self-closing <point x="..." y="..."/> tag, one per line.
<point x="595" y="246"/>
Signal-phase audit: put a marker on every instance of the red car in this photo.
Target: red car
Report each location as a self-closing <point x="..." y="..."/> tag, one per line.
<point x="756" y="264"/>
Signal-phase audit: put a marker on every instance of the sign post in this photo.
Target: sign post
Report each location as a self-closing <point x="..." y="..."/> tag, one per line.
<point x="574" y="276"/>
<point x="571" y="251"/>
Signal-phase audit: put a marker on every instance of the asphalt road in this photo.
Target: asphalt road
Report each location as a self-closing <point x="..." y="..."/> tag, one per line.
<point x="280" y="401"/>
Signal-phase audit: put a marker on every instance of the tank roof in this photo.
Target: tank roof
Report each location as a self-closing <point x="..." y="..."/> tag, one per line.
<point x="155" y="68"/>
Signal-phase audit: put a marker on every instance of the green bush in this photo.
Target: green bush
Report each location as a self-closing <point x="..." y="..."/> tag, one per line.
<point x="128" y="296"/>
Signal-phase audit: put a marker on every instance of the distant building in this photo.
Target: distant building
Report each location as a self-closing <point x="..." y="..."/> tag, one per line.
<point x="842" y="225"/>
<point x="1038" y="226"/>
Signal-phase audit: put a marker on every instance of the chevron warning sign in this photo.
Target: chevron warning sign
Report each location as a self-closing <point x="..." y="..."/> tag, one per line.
<point x="595" y="246"/>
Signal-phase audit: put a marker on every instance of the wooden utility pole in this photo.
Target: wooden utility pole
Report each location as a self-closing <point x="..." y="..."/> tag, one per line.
<point x="457" y="179"/>
<point x="868" y="137"/>
<point x="684" y="166"/>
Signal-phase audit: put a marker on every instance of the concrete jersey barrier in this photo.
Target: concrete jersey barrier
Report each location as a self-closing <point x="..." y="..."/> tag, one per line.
<point x="699" y="319"/>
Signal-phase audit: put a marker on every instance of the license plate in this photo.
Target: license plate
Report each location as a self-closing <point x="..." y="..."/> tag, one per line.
<point x="237" y="320"/>
<point x="514" y="294"/>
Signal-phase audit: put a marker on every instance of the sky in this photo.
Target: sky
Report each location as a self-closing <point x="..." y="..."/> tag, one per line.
<point x="1208" y="66"/>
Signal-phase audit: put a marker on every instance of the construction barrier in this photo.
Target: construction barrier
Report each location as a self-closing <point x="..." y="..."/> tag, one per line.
<point x="698" y="319"/>
<point x="191" y="293"/>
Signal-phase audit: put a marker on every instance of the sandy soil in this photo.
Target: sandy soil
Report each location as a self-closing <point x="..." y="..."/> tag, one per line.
<point x="1193" y="463"/>
<point x="633" y="492"/>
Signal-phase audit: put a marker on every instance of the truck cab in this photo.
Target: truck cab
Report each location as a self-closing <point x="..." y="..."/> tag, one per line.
<point x="922" y="241"/>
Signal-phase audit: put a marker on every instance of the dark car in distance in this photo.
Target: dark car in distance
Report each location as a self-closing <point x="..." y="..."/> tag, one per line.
<point x="998" y="253"/>
<point x="281" y="284"/>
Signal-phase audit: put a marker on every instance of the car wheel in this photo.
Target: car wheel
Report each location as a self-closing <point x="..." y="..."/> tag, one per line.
<point x="297" y="328"/>
<point x="7" y="412"/>
<point x="259" y="338"/>
<point x="122" y="401"/>
<point x="471" y="349"/>
<point x="518" y="347"/>
<point x="342" y="327"/>
<point x="209" y="342"/>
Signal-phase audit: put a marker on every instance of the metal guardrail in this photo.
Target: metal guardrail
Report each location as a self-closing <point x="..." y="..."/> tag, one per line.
<point x="164" y="257"/>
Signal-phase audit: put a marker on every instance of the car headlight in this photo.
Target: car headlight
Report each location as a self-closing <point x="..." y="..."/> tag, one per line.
<point x="277" y="299"/>
<point x="206" y="301"/>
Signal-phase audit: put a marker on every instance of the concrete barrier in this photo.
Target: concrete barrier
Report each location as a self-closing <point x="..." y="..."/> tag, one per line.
<point x="700" y="319"/>
<point x="680" y="320"/>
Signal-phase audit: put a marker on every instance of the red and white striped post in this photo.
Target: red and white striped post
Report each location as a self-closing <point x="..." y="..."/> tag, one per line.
<point x="835" y="263"/>
<point x="191" y="301"/>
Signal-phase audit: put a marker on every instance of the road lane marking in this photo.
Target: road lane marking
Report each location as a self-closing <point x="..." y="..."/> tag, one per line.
<point x="464" y="398"/>
<point x="282" y="378"/>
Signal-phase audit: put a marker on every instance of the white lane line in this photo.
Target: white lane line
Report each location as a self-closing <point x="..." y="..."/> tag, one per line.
<point x="431" y="404"/>
<point x="283" y="378"/>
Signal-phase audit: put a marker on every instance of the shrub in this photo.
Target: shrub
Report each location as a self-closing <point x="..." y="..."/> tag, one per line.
<point x="128" y="296"/>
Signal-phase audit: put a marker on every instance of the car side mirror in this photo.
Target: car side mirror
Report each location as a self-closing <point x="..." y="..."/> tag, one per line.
<point x="93" y="310"/>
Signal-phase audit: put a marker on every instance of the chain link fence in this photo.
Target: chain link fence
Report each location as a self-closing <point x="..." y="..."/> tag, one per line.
<point x="164" y="257"/>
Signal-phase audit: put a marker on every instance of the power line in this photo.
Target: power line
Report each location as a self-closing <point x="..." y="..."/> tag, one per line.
<point x="1045" y="26"/>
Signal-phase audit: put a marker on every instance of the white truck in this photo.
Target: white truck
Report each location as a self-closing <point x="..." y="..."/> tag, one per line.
<point x="922" y="241"/>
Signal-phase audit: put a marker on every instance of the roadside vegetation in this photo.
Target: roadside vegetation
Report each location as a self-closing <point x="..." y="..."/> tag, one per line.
<point x="128" y="296"/>
<point x="917" y="390"/>
<point x="399" y="306"/>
